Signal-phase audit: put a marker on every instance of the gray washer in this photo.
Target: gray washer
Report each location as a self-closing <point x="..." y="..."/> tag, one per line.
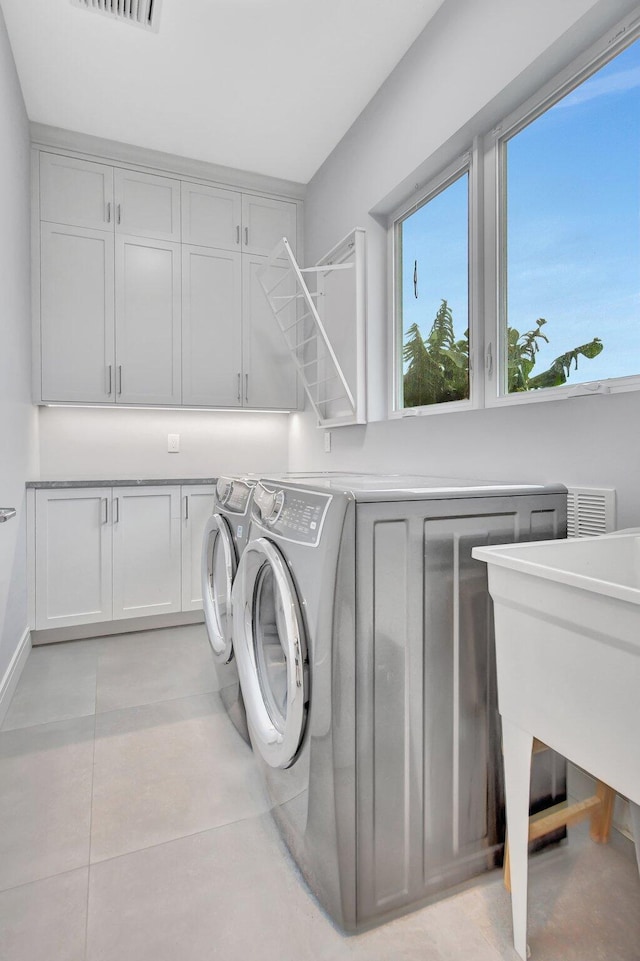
<point x="224" y="539"/>
<point x="364" y="641"/>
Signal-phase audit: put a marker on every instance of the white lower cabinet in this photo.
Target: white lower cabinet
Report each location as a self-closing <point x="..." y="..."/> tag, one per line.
<point x="73" y="557"/>
<point x="111" y="553"/>
<point x="197" y="508"/>
<point x="146" y="551"/>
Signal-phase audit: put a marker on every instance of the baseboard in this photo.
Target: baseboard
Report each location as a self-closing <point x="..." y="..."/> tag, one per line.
<point x="12" y="674"/>
<point x="55" y="635"/>
<point x="581" y="785"/>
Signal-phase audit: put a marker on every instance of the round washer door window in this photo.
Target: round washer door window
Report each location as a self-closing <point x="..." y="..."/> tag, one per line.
<point x="271" y="652"/>
<point x="218" y="572"/>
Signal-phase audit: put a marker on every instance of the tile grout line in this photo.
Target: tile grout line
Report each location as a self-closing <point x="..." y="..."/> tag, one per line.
<point x="183" y="837"/>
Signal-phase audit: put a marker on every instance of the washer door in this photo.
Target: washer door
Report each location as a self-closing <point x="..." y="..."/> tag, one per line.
<point x="271" y="653"/>
<point x="219" y="565"/>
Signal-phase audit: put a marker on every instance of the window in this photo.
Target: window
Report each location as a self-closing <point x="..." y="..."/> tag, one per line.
<point x="552" y="229"/>
<point x="571" y="239"/>
<point x="433" y="297"/>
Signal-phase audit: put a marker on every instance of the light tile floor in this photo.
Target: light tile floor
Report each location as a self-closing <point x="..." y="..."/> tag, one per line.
<point x="133" y="828"/>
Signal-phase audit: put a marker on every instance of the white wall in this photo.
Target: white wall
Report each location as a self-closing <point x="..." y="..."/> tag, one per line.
<point x="474" y="63"/>
<point x="18" y="421"/>
<point x="81" y="443"/>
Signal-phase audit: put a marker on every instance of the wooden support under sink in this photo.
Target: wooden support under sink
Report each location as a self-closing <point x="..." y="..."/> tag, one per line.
<point x="598" y="807"/>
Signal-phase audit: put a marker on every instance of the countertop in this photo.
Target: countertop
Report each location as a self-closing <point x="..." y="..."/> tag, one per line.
<point x="135" y="482"/>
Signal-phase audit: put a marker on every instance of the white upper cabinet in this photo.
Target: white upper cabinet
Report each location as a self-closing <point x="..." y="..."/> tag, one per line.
<point x="211" y="327"/>
<point x="76" y="315"/>
<point x="76" y="192"/>
<point x="146" y="205"/>
<point x="265" y="222"/>
<point x="145" y="292"/>
<point x="211" y="216"/>
<point x="270" y="378"/>
<point x="147" y="322"/>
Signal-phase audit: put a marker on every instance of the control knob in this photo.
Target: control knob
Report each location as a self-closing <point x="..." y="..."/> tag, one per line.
<point x="224" y="486"/>
<point x="269" y="504"/>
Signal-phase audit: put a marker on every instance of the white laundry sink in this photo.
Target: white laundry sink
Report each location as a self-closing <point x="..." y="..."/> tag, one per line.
<point x="567" y="626"/>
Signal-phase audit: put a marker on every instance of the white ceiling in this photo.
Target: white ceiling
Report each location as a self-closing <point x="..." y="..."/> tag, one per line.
<point x="268" y="86"/>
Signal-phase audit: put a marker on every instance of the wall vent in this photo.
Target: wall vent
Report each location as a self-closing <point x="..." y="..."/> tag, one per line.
<point x="141" y="13"/>
<point x="590" y="511"/>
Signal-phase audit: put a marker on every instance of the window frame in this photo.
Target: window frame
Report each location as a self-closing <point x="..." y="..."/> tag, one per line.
<point x="485" y="160"/>
<point x="465" y="163"/>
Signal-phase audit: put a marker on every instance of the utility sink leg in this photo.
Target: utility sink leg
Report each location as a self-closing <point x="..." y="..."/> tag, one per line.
<point x="635" y="825"/>
<point x="516" y="748"/>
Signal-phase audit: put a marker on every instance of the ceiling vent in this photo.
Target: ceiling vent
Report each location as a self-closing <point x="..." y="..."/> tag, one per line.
<point x="141" y="13"/>
<point x="590" y="511"/>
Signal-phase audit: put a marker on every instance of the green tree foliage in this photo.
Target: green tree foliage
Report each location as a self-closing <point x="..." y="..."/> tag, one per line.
<point x="437" y="369"/>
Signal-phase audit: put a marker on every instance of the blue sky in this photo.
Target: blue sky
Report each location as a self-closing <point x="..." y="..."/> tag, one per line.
<point x="573" y="232"/>
<point x="437" y="237"/>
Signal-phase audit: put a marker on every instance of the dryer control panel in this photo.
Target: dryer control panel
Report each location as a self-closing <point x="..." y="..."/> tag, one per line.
<point x="293" y="514"/>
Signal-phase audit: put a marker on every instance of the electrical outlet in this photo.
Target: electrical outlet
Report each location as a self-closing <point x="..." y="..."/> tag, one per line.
<point x="173" y="443"/>
<point x="327" y="441"/>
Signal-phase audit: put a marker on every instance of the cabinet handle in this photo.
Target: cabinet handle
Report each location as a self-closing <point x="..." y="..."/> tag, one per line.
<point x="186" y="507"/>
<point x="119" y="378"/>
<point x="118" y="217"/>
<point x="106" y="510"/>
<point x="246" y="236"/>
<point x="246" y="388"/>
<point x="239" y="387"/>
<point x="108" y="211"/>
<point x="110" y="380"/>
<point x="238" y="234"/>
<point x="116" y="510"/>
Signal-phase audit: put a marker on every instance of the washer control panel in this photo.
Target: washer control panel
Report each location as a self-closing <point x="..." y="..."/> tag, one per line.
<point x="296" y="515"/>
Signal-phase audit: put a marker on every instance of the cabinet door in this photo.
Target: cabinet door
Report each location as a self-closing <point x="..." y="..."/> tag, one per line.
<point x="270" y="379"/>
<point x="146" y="205"/>
<point x="76" y="192"/>
<point x="211" y="327"/>
<point x="77" y="314"/>
<point x="73" y="557"/>
<point x="197" y="508"/>
<point x="211" y="217"/>
<point x="147" y="322"/>
<point x="146" y="551"/>
<point x="265" y="222"/>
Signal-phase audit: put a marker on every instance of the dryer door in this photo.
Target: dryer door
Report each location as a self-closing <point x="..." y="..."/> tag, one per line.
<point x="219" y="565"/>
<point x="271" y="652"/>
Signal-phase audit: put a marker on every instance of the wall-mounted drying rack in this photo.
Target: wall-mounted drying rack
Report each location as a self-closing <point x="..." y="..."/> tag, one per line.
<point x="320" y="311"/>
